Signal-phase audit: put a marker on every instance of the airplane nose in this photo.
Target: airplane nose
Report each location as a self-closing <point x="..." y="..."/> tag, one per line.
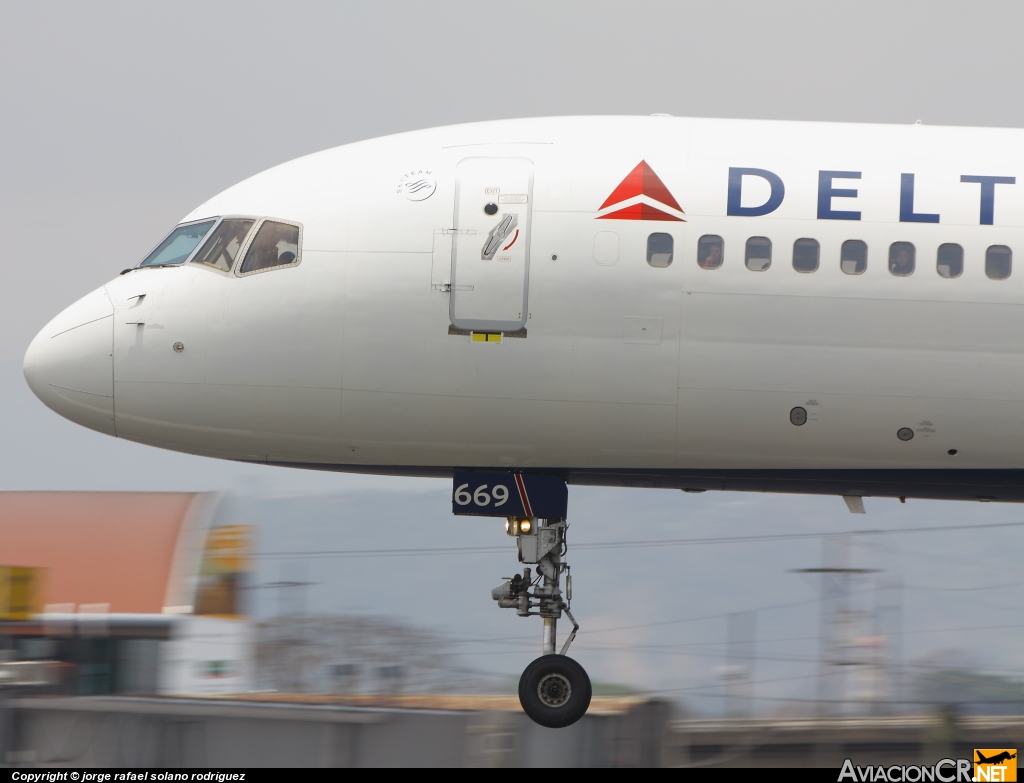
<point x="70" y="365"/>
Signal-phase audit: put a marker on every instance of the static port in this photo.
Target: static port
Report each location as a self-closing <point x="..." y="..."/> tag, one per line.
<point x="491" y="209"/>
<point x="905" y="433"/>
<point x="798" y="416"/>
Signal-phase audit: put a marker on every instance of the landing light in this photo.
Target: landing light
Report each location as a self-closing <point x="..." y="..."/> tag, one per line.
<point x="517" y="525"/>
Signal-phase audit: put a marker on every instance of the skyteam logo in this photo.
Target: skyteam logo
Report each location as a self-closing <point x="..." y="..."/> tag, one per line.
<point x="417" y="185"/>
<point x="641" y="196"/>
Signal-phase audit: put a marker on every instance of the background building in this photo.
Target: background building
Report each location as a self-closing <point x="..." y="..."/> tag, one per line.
<point x="125" y="592"/>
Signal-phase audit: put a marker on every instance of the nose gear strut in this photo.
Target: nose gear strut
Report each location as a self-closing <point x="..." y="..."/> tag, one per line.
<point x="554" y="690"/>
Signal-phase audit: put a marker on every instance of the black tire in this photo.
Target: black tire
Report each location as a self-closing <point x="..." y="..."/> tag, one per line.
<point x="555" y="691"/>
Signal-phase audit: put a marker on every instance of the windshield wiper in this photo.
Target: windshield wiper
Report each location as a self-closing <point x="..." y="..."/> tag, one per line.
<point x="147" y="266"/>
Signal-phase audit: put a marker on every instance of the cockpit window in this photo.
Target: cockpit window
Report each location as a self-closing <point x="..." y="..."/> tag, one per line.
<point x="179" y="244"/>
<point x="221" y="249"/>
<point x="276" y="244"/>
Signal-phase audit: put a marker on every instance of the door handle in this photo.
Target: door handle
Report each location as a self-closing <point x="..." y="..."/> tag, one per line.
<point x="497" y="236"/>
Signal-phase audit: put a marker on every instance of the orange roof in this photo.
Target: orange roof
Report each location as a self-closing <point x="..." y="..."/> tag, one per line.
<point x="123" y="549"/>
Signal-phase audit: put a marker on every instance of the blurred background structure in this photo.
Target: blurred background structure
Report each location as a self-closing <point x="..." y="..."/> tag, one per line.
<point x="190" y="629"/>
<point x="117" y="592"/>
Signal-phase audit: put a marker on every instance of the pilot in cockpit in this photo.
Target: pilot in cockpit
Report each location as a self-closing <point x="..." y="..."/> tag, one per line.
<point x="275" y="245"/>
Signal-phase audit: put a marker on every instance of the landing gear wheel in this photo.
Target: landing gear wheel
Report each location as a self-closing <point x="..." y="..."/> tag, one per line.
<point x="554" y="691"/>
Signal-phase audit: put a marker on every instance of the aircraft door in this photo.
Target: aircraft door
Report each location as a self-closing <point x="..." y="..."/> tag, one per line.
<point x="490" y="274"/>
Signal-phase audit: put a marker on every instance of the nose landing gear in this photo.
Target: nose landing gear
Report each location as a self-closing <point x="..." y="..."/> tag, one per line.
<point x="554" y="690"/>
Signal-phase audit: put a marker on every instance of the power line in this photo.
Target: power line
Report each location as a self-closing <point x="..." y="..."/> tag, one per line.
<point x="925" y="588"/>
<point x="690" y="688"/>
<point x="436" y="551"/>
<point x="872" y="702"/>
<point x="700" y="617"/>
<point x="682" y="646"/>
<point x="694" y="619"/>
<point x="959" y="559"/>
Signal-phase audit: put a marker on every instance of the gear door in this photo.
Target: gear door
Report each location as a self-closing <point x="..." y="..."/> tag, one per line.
<point x="491" y="244"/>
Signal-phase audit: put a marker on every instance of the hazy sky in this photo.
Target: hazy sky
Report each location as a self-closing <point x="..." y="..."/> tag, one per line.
<point x="119" y="118"/>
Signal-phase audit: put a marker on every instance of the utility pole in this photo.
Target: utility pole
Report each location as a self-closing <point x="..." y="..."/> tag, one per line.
<point x="289" y="633"/>
<point x="739" y="671"/>
<point x="836" y="650"/>
<point x="889" y="629"/>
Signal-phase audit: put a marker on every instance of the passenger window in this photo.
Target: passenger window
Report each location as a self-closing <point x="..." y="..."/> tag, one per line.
<point x="901" y="258"/>
<point x="853" y="258"/>
<point x="222" y="247"/>
<point x="759" y="253"/>
<point x="950" y="260"/>
<point x="997" y="262"/>
<point x="606" y="248"/>
<point x="805" y="255"/>
<point x="710" y="251"/>
<point x="659" y="250"/>
<point x="178" y="245"/>
<point x="276" y="244"/>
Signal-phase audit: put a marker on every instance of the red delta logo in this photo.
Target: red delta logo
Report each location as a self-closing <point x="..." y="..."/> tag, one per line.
<point x="636" y="196"/>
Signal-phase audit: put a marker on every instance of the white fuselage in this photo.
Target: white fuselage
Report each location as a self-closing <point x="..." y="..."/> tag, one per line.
<point x="361" y="354"/>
